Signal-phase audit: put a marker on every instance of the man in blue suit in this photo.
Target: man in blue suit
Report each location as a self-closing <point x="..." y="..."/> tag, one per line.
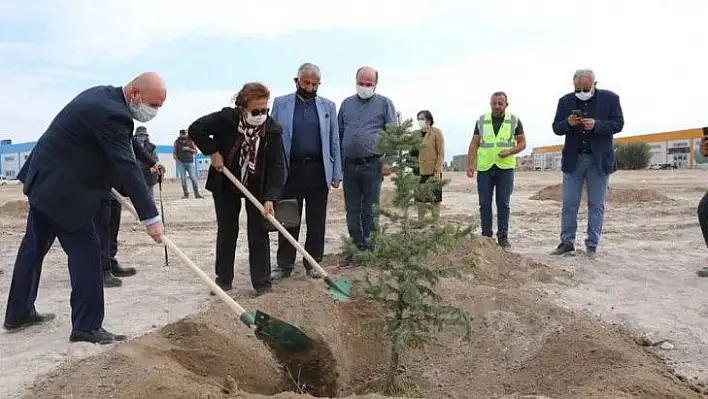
<point x="86" y="146"/>
<point x="313" y="156"/>
<point x="588" y="118"/>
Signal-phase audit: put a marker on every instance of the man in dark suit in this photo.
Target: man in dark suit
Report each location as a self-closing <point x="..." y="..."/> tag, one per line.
<point x="87" y="145"/>
<point x="588" y="118"/>
<point x="108" y="224"/>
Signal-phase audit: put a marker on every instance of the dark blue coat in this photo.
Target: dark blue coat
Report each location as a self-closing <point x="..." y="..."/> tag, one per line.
<point x="86" y="147"/>
<point x="605" y="108"/>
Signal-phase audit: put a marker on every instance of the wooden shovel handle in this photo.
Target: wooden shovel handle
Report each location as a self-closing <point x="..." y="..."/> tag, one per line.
<point x="233" y="305"/>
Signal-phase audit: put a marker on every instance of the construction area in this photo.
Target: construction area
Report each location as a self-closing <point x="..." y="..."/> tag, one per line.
<point x="629" y="323"/>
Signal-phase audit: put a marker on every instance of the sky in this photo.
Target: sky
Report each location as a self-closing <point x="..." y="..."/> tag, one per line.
<point x="446" y="56"/>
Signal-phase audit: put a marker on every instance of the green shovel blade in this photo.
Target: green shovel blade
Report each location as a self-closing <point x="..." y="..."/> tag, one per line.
<point x="340" y="289"/>
<point x="281" y="335"/>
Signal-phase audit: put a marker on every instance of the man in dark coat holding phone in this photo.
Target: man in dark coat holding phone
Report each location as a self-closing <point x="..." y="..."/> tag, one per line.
<point x="588" y="118"/>
<point x="85" y="148"/>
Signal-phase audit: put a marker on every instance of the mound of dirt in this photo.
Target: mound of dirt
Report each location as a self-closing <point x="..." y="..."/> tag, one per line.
<point x="616" y="195"/>
<point x="14" y="209"/>
<point x="522" y="345"/>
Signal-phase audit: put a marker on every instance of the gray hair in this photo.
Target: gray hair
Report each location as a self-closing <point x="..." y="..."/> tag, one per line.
<point x="309" y="69"/>
<point x="581" y="73"/>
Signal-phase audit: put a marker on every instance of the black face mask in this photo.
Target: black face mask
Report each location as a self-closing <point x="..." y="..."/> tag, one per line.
<point x="307" y="95"/>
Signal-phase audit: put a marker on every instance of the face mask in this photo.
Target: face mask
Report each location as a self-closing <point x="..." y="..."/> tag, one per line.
<point x="364" y="92"/>
<point x="256" y="120"/>
<point x="584" y="96"/>
<point x="307" y="95"/>
<point x="141" y="112"/>
<point x="422" y="124"/>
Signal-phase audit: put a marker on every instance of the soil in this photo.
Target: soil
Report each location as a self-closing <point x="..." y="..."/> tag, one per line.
<point x="546" y="325"/>
<point x="14" y="209"/>
<point x="616" y="195"/>
<point x="522" y="345"/>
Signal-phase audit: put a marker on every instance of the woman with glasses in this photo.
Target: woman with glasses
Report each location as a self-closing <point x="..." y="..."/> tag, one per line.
<point x="248" y="142"/>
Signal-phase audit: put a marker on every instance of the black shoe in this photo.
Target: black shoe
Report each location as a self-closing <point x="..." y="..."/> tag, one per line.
<point x="223" y="285"/>
<point x="99" y="336"/>
<point x="503" y="242"/>
<point x="702" y="272"/>
<point x="197" y="195"/>
<point x="263" y="290"/>
<point x="110" y="281"/>
<point x="119" y="271"/>
<point x="591" y="252"/>
<point x="563" y="249"/>
<point x="185" y="196"/>
<point x="35" y="319"/>
<point x="281" y="272"/>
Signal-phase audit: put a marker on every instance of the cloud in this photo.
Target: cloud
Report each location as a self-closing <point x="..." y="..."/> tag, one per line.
<point x="650" y="55"/>
<point x="91" y="32"/>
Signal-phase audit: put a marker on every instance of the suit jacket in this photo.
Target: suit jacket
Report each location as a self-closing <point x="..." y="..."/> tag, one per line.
<point x="86" y="147"/>
<point x="218" y="132"/>
<point x="605" y="108"/>
<point x="283" y="111"/>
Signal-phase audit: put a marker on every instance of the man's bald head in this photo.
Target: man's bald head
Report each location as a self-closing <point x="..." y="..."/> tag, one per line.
<point x="147" y="88"/>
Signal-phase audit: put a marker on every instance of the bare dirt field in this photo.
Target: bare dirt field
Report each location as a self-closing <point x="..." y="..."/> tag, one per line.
<point x="556" y="326"/>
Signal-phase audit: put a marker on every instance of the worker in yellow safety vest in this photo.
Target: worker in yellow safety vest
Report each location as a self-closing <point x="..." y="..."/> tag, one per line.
<point x="498" y="137"/>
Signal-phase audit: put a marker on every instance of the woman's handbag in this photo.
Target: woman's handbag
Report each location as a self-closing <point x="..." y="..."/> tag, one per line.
<point x="287" y="212"/>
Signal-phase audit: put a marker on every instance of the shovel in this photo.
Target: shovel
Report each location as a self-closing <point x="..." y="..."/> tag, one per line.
<point x="276" y="333"/>
<point x="339" y="289"/>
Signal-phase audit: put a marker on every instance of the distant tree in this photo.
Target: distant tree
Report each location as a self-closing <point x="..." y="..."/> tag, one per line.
<point x="398" y="275"/>
<point x="633" y="155"/>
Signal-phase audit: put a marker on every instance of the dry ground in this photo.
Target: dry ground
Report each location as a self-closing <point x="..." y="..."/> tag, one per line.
<point x="643" y="279"/>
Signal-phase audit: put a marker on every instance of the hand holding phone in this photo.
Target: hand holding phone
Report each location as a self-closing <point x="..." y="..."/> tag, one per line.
<point x="575" y="117"/>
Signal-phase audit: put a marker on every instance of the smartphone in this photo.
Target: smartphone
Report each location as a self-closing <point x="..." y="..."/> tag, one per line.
<point x="577" y="113"/>
<point x="705" y="131"/>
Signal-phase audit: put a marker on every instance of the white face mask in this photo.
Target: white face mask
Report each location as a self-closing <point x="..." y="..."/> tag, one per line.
<point x="141" y="112"/>
<point x="364" y="92"/>
<point x="256" y="120"/>
<point x="584" y="96"/>
<point x="422" y="124"/>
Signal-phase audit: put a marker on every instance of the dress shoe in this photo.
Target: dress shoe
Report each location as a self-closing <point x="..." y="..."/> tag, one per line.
<point x="119" y="271"/>
<point x="37" y="318"/>
<point x="98" y="336"/>
<point x="110" y="281"/>
<point x="225" y="286"/>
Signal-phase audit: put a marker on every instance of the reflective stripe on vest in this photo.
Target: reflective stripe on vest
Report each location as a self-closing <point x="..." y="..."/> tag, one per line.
<point x="490" y="143"/>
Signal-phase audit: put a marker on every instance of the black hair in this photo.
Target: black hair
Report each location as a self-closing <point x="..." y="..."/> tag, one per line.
<point x="427" y="115"/>
<point x="501" y="93"/>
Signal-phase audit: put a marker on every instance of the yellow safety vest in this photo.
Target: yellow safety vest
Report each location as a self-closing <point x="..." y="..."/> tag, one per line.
<point x="490" y="143"/>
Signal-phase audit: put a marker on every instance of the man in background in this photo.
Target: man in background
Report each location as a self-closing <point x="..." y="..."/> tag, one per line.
<point x="183" y="152"/>
<point x="142" y="140"/>
<point x="313" y="156"/>
<point x="498" y="137"/>
<point x="588" y="118"/>
<point x="361" y="118"/>
<point x="108" y="224"/>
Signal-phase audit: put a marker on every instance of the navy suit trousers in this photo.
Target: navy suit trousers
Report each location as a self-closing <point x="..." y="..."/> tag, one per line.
<point x="84" y="252"/>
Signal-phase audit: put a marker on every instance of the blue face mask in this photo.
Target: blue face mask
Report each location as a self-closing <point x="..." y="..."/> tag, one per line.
<point x="141" y="112"/>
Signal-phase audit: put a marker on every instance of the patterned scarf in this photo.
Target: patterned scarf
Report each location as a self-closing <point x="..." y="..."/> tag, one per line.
<point x="249" y="148"/>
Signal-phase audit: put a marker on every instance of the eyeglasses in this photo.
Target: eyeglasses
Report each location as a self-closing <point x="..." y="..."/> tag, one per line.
<point x="583" y="90"/>
<point x="258" y="112"/>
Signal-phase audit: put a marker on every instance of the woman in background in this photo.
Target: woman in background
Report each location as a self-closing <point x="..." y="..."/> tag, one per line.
<point x="248" y="142"/>
<point x="431" y="157"/>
